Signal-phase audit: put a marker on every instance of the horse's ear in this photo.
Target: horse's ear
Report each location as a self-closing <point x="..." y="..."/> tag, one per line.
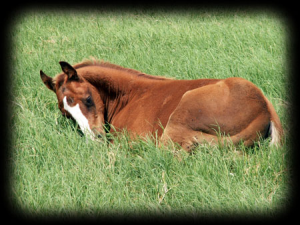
<point x="69" y="70"/>
<point x="48" y="81"/>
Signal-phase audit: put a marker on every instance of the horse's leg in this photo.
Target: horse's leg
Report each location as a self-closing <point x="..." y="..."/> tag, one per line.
<point x="189" y="139"/>
<point x="186" y="138"/>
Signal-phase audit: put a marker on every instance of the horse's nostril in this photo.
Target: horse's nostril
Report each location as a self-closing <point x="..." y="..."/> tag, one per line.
<point x="66" y="115"/>
<point x="97" y="132"/>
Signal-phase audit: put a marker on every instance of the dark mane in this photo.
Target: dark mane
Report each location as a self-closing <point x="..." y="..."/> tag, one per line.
<point x="95" y="62"/>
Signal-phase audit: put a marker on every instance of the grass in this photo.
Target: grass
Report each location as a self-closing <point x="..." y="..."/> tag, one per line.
<point x="55" y="171"/>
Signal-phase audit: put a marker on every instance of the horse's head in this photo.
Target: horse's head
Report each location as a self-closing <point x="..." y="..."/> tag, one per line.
<point x="78" y="99"/>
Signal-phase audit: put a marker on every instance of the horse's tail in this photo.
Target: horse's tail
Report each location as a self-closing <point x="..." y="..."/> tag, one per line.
<point x="275" y="128"/>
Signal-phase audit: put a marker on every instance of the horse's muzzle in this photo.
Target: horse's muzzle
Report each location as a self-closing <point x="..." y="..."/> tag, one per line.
<point x="98" y="132"/>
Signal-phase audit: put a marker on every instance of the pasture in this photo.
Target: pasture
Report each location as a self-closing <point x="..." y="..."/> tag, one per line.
<point x="54" y="170"/>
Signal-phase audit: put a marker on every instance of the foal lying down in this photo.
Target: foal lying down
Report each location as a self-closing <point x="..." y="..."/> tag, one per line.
<point x="191" y="111"/>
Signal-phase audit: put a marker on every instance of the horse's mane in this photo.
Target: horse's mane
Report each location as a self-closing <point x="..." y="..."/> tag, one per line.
<point x="95" y="62"/>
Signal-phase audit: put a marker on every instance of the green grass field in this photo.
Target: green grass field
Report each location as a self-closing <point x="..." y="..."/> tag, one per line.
<point x="56" y="171"/>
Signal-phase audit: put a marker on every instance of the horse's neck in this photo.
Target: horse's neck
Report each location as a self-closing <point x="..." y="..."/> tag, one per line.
<point x="114" y="87"/>
<point x="109" y="80"/>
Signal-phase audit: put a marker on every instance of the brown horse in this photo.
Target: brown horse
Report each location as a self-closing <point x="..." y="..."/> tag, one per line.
<point x="188" y="112"/>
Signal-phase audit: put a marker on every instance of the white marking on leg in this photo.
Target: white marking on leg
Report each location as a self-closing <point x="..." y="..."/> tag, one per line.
<point x="79" y="117"/>
<point x="275" y="136"/>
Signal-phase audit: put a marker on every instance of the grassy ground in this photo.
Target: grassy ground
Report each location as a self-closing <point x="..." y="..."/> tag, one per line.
<point x="55" y="171"/>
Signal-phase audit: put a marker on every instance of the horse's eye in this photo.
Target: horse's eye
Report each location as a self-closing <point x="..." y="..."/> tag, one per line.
<point x="89" y="101"/>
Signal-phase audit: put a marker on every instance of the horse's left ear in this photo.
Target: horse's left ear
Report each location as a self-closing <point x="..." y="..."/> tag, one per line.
<point x="48" y="81"/>
<point x="69" y="70"/>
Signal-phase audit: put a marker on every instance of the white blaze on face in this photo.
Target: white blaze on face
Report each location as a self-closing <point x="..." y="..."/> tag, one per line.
<point x="79" y="117"/>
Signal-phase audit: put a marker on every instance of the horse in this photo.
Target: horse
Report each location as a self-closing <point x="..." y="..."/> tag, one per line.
<point x="187" y="112"/>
